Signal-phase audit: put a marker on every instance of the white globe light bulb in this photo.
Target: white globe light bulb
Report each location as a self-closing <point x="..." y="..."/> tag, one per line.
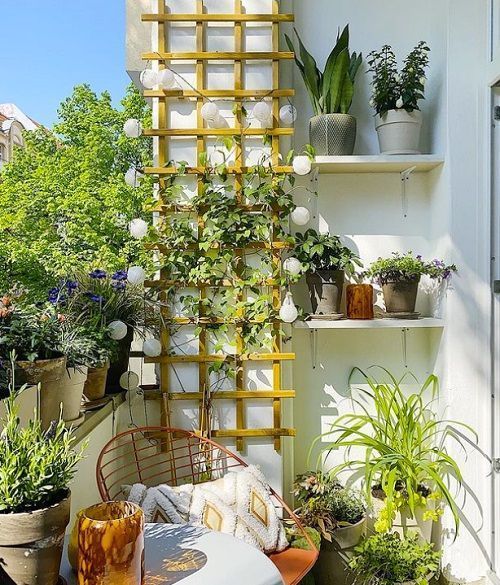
<point x="136" y="275"/>
<point x="262" y="112"/>
<point x="166" y="79"/>
<point x="132" y="177"/>
<point x="149" y="78"/>
<point x="117" y="330"/>
<point x="133" y="128"/>
<point x="129" y="380"/>
<point x="138" y="228"/>
<point x="300" y="216"/>
<point x="293" y="266"/>
<point x="288" y="312"/>
<point x="218" y="122"/>
<point x="302" y="165"/>
<point x="288" y="114"/>
<point x="210" y="111"/>
<point x="151" y="348"/>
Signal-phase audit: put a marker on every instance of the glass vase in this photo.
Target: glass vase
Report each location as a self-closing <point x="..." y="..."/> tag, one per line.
<point x="111" y="545"/>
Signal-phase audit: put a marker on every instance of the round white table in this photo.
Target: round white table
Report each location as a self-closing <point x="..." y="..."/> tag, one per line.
<point x="190" y="555"/>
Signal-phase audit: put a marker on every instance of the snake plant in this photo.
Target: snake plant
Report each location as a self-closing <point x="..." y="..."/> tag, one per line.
<point x="332" y="90"/>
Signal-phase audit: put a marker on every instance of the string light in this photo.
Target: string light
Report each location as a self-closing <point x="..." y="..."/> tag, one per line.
<point x="129" y="380"/>
<point x="262" y="112"/>
<point x="138" y="228"/>
<point x="293" y="266"/>
<point x="288" y="114"/>
<point x="210" y="111"/>
<point x="149" y="78"/>
<point x="151" y="348"/>
<point x="117" y="330"/>
<point x="288" y="312"/>
<point x="133" y="177"/>
<point x="133" y="128"/>
<point x="302" y="165"/>
<point x="300" y="216"/>
<point x="136" y="275"/>
<point x="166" y="79"/>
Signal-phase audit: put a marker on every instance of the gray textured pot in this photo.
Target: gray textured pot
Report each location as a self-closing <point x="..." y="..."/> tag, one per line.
<point x="31" y="545"/>
<point x="400" y="296"/>
<point x="333" y="134"/>
<point x="325" y="290"/>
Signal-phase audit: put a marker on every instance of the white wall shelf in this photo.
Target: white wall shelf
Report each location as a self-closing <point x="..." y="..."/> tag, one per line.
<point x="422" y="163"/>
<point x="424" y="323"/>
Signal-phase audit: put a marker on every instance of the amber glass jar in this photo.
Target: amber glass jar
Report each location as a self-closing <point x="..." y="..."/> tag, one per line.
<point x="111" y="545"/>
<point x="359" y="301"/>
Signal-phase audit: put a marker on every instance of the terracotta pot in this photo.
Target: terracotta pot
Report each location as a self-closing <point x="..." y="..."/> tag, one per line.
<point x="359" y="301"/>
<point x="50" y="374"/>
<point x="332" y="565"/>
<point x="95" y="384"/>
<point x="120" y="364"/>
<point x="400" y="296"/>
<point x="325" y="290"/>
<point x="31" y="545"/>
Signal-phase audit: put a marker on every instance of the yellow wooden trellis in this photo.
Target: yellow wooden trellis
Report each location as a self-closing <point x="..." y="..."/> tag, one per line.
<point x="200" y="93"/>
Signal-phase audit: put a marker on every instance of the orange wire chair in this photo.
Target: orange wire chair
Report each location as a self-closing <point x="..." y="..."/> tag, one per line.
<point x="155" y="455"/>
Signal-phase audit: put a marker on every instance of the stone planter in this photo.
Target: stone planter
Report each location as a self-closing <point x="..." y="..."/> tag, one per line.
<point x="399" y="131"/>
<point x="70" y="397"/>
<point x="332" y="567"/>
<point x="400" y="296"/>
<point x="325" y="290"/>
<point x="333" y="134"/>
<point x="95" y="384"/>
<point x="31" y="545"/>
<point x="120" y="363"/>
<point x="50" y="374"/>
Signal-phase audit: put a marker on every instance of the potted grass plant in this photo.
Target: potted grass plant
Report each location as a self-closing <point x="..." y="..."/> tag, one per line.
<point x="326" y="262"/>
<point x="338" y="514"/>
<point x="406" y="445"/>
<point x="36" y="468"/>
<point x="395" y="97"/>
<point x="399" y="276"/>
<point x="332" y="129"/>
<point x="388" y="559"/>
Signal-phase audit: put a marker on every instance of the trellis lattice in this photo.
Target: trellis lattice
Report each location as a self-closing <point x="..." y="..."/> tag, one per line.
<point x="274" y="248"/>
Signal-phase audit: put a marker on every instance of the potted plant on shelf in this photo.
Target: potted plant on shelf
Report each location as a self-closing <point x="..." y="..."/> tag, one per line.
<point x="338" y="514"/>
<point x="395" y="98"/>
<point x="388" y="559"/>
<point x="405" y="445"/>
<point x="440" y="275"/>
<point x="326" y="262"/>
<point x="398" y="276"/>
<point x="119" y="303"/>
<point x="36" y="468"/>
<point x="332" y="130"/>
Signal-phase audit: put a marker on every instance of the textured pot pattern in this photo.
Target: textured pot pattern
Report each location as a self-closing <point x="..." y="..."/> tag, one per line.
<point x="325" y="290"/>
<point x="120" y="364"/>
<point x="332" y="565"/>
<point x="94" y="387"/>
<point x="31" y="545"/>
<point x="399" y="132"/>
<point x="400" y="296"/>
<point x="333" y="134"/>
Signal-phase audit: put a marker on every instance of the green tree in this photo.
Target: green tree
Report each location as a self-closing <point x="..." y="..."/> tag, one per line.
<point x="64" y="203"/>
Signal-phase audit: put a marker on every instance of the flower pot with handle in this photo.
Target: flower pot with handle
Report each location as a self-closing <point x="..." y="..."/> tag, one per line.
<point x="50" y="374"/>
<point x="399" y="131"/>
<point x="333" y="134"/>
<point x="31" y="544"/>
<point x="325" y="290"/>
<point x="332" y="565"/>
<point x="400" y="296"/>
<point x="95" y="384"/>
<point x="120" y="363"/>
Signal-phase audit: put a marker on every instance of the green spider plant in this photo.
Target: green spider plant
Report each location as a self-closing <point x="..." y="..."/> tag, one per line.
<point x="404" y="444"/>
<point x="332" y="90"/>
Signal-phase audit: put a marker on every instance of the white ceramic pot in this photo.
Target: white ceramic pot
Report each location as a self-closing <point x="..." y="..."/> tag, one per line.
<point x="399" y="132"/>
<point x="404" y="522"/>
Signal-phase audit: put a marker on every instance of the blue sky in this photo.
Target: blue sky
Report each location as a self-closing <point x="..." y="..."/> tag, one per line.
<point x="48" y="47"/>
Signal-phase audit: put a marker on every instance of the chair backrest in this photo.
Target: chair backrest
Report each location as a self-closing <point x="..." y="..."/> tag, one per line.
<point x="156" y="455"/>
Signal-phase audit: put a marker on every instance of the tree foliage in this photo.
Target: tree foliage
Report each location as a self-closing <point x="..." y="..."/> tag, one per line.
<point x="64" y="204"/>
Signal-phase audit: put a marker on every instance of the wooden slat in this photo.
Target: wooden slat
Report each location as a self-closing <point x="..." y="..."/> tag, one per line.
<point x="218" y="56"/>
<point x="224" y="395"/>
<point x="177" y="17"/>
<point x="218" y="132"/>
<point x="219" y="93"/>
<point x="206" y="321"/>
<point x="248" y="433"/>
<point x="165" y="209"/>
<point x="196" y="359"/>
<point x="201" y="170"/>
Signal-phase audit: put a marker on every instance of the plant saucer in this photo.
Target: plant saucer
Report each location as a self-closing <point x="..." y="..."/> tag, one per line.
<point x="327" y="317"/>
<point x="413" y="315"/>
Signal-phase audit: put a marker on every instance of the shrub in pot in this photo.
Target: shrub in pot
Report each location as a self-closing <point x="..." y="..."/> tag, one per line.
<point x="338" y="514"/>
<point x="388" y="559"/>
<point x="399" y="276"/>
<point x="395" y="98"/>
<point x="332" y="130"/>
<point x="405" y="443"/>
<point x="36" y="468"/>
<point x="326" y="261"/>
